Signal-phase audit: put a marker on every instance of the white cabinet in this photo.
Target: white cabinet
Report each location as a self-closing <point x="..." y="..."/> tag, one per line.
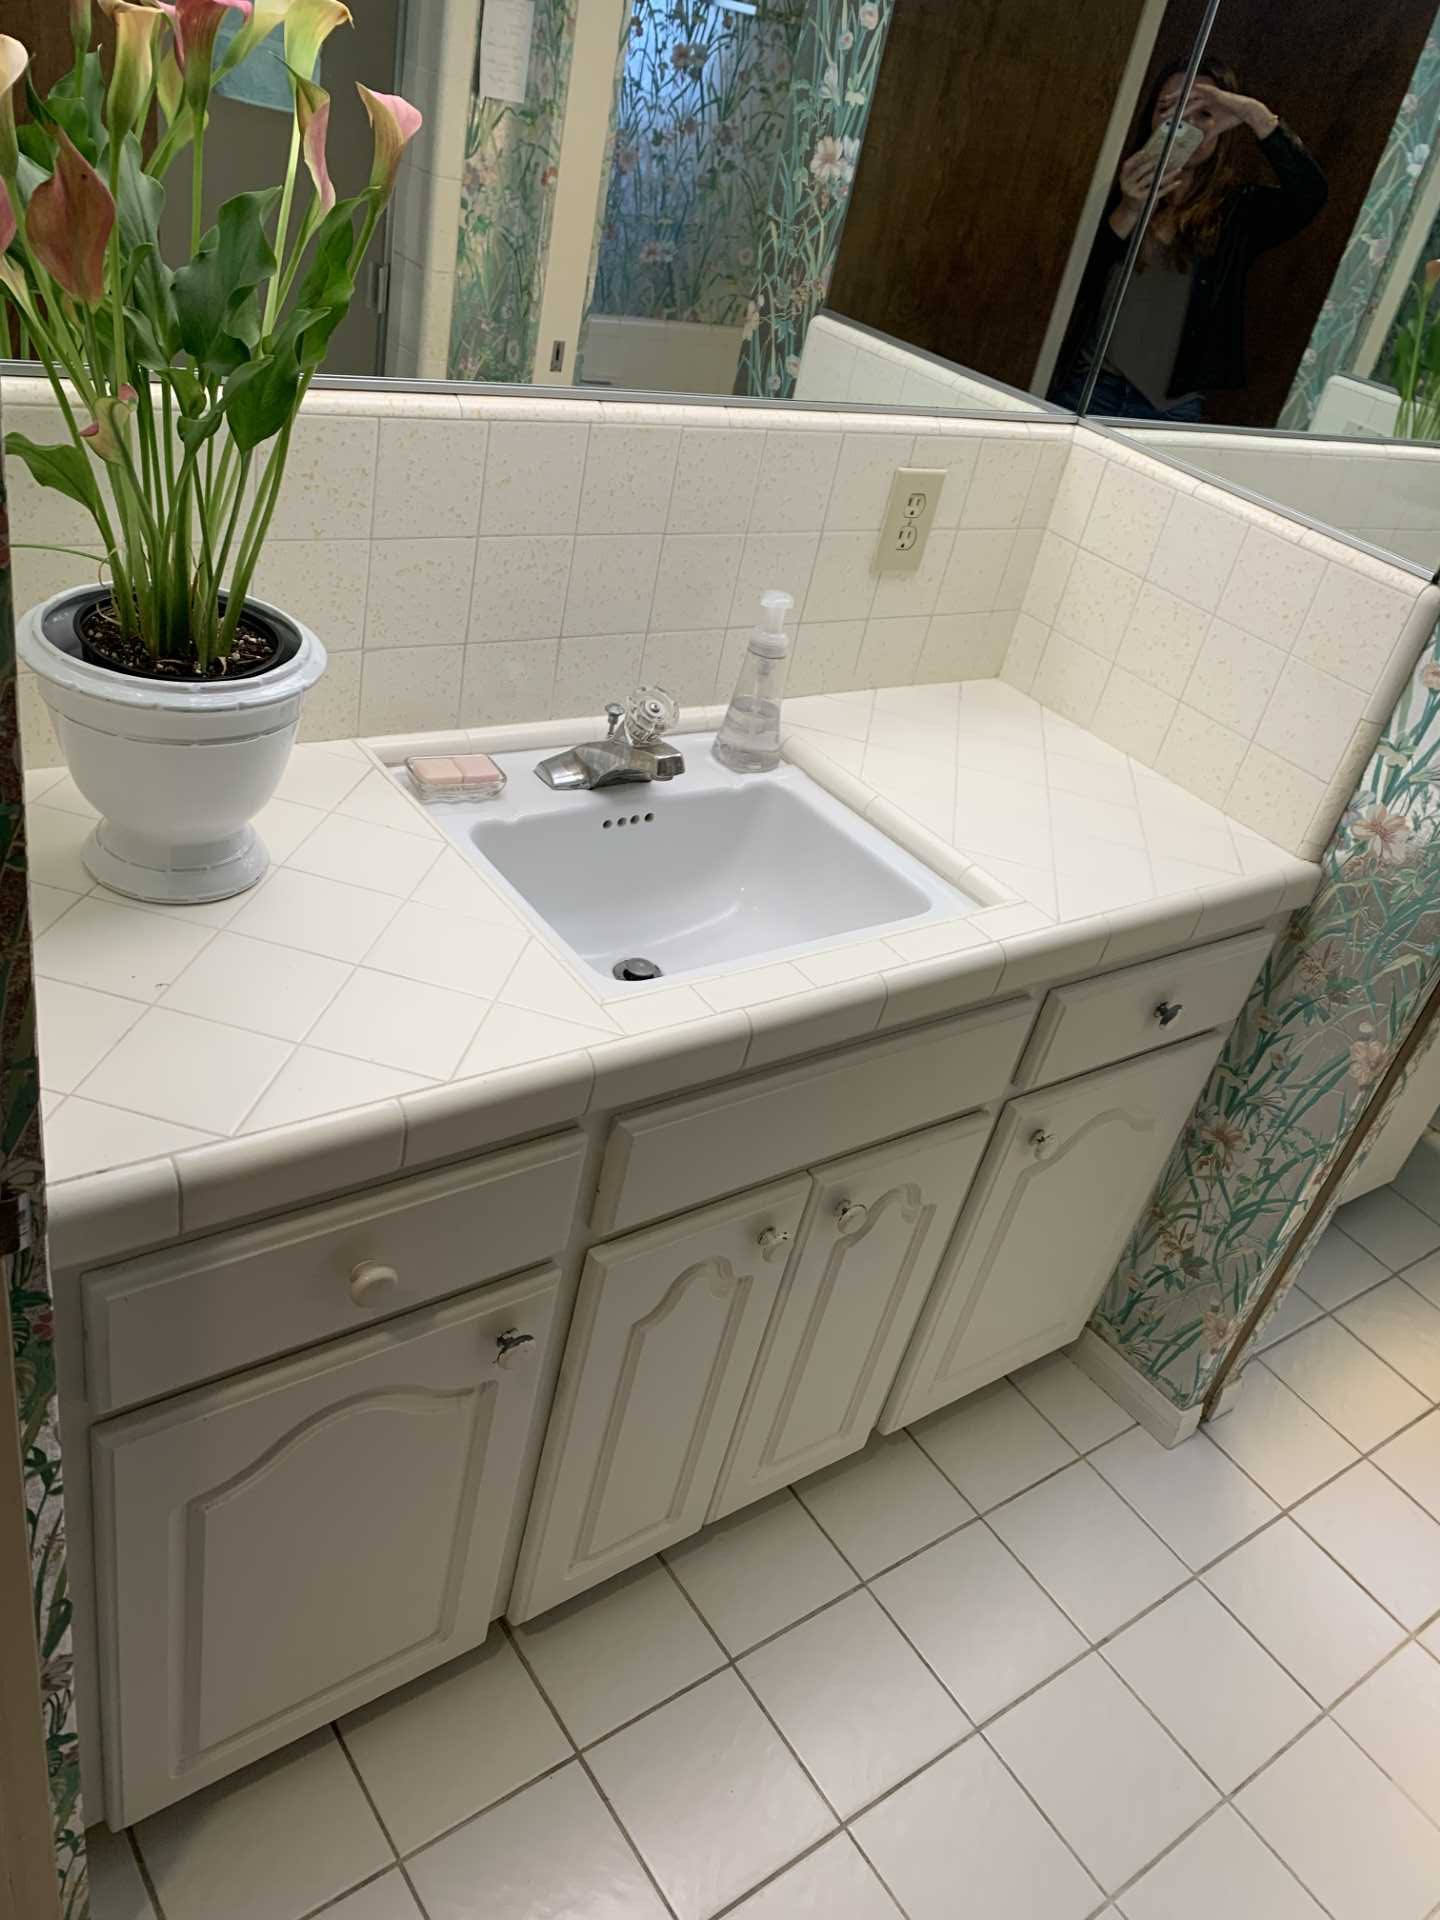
<point x="1064" y="1179"/>
<point x="661" y="1349"/>
<point x="873" y="1235"/>
<point x="279" y="1548"/>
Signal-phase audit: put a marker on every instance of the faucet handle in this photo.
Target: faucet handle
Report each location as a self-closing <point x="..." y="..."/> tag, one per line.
<point x="615" y="714"/>
<point x="650" y="712"/>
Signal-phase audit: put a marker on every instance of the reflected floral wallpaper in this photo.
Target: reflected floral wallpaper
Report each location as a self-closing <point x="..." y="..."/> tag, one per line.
<point x="507" y="205"/>
<point x="702" y="107"/>
<point x="837" y="63"/>
<point x="1320" y="1028"/>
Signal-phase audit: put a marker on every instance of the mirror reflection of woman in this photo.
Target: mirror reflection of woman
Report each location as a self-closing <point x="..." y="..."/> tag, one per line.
<point x="1180" y="333"/>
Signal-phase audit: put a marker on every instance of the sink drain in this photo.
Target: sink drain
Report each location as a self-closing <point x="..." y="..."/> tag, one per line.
<point x="636" y="969"/>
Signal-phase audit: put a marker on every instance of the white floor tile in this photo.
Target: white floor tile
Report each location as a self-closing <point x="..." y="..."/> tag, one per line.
<point x="118" y="949"/>
<point x="257" y="985"/>
<point x="708" y="1793"/>
<point x="884" y="1503"/>
<point x="759" y="1571"/>
<point x="993" y="1445"/>
<point x="116" y="1890"/>
<point x="854" y="1700"/>
<point x="1346" y="1384"/>
<point x="278" y="1839"/>
<point x="1297" y="1310"/>
<point x="399" y="1023"/>
<point x="428" y="1754"/>
<point x="979" y="1620"/>
<point x="313" y="1081"/>
<point x="1338" y="1269"/>
<point x="77" y="1028"/>
<point x="197" y="1073"/>
<point x="963" y="1832"/>
<point x="1311" y="1615"/>
<point x="362" y="855"/>
<point x="614" y="1653"/>
<point x="1219" y="1872"/>
<point x="316" y="915"/>
<point x="1395" y="1715"/>
<point x="1403" y="1327"/>
<point x="1070" y="1400"/>
<point x="1116" y="1786"/>
<point x="447" y="950"/>
<point x="53" y="839"/>
<point x="46" y="906"/>
<point x="1424" y="1276"/>
<point x="1216" y="1689"/>
<point x="1389" y="1227"/>
<point x="1280" y="1441"/>
<point x="1412" y="1459"/>
<point x="387" y="1898"/>
<point x="1196" y="1500"/>
<point x="833" y="1883"/>
<point x="1347" y="1831"/>
<point x="552" y="1850"/>
<point x="1088" y="1550"/>
<point x="1376" y="1532"/>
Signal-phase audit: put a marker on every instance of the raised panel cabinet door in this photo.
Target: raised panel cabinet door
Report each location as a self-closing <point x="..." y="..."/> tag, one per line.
<point x="287" y="1545"/>
<point x="666" y="1329"/>
<point x="1065" y="1177"/>
<point x="873" y="1235"/>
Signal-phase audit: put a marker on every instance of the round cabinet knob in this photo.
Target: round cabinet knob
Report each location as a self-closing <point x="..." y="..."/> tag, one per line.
<point x="773" y="1241"/>
<point x="370" y="1283"/>
<point x="851" y="1215"/>
<point x="514" y="1348"/>
<point x="1041" y="1141"/>
<point x="1168" y="1010"/>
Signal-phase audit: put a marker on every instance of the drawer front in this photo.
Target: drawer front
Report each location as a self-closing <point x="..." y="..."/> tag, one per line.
<point x="1129" y="1012"/>
<point x="168" y="1320"/>
<point x="665" y="1158"/>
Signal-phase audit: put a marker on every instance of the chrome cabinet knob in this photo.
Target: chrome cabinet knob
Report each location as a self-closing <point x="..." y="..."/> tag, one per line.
<point x="370" y="1283"/>
<point x="851" y="1215"/>
<point x="1041" y="1142"/>
<point x="1169" y="1010"/>
<point x="513" y="1347"/>
<point x="773" y="1241"/>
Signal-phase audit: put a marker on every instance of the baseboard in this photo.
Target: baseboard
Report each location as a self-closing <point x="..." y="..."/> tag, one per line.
<point x="1160" y="1417"/>
<point x="1418" y="1181"/>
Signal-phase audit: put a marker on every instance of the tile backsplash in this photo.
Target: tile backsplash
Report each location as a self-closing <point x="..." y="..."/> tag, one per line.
<point x="470" y="560"/>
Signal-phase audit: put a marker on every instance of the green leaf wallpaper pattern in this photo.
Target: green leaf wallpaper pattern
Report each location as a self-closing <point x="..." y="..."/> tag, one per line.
<point x="32" y="1316"/>
<point x="1320" y="1028"/>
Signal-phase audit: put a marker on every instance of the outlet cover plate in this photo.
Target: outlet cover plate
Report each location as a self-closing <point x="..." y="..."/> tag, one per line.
<point x="909" y="516"/>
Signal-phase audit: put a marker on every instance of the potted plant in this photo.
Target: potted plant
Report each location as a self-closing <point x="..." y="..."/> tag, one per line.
<point x="176" y="694"/>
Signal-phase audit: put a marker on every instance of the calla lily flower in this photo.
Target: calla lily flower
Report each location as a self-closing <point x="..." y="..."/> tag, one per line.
<point x="308" y="25"/>
<point x="312" y="115"/>
<point x="68" y="224"/>
<point x="395" y="123"/>
<point x="265" y="16"/>
<point x="196" y="24"/>
<point x="169" y="86"/>
<point x="7" y="218"/>
<point x="133" y="72"/>
<point x="80" y="25"/>
<point x="108" y="433"/>
<point x="13" y="62"/>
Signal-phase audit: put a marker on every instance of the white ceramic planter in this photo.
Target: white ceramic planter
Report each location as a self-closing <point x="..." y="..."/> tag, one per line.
<point x="177" y="772"/>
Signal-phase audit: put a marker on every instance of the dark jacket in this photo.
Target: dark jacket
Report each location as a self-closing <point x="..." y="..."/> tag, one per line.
<point x="1212" y="346"/>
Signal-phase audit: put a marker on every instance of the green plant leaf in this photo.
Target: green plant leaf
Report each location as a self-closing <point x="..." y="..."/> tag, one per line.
<point x="211" y="292"/>
<point x="328" y="285"/>
<point x="261" y="396"/>
<point x="63" y="467"/>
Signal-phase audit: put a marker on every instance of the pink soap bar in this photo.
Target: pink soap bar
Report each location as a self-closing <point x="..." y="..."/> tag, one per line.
<point x="455" y="776"/>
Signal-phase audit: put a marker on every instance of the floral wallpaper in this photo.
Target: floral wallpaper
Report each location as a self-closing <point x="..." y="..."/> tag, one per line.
<point x="837" y="63"/>
<point x="32" y="1318"/>
<point x="1360" y="277"/>
<point x="1320" y="1028"/>
<point x="507" y="206"/>
<point x="702" y="107"/>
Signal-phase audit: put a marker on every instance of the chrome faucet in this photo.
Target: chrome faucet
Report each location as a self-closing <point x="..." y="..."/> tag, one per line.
<point x="633" y="749"/>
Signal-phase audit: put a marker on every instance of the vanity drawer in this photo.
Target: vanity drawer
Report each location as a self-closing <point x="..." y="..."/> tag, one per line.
<point x="1129" y="1012"/>
<point x="168" y="1320"/>
<point x="662" y="1159"/>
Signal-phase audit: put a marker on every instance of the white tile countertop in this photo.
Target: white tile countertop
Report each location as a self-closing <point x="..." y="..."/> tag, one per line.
<point x="376" y="1003"/>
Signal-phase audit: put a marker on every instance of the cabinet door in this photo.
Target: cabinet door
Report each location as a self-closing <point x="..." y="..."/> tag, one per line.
<point x="1066" y="1175"/>
<point x="284" y="1546"/>
<point x="873" y="1235"/>
<point x="666" y="1329"/>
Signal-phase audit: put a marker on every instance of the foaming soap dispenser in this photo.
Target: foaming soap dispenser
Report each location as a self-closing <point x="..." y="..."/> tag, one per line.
<point x="749" y="736"/>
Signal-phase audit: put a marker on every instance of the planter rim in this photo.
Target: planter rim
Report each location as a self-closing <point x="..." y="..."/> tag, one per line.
<point x="284" y="682"/>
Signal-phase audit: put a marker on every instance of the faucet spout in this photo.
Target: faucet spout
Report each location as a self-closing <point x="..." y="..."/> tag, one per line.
<point x="632" y="750"/>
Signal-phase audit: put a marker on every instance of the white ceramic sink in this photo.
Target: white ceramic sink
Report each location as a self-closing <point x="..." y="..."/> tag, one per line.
<point x="712" y="870"/>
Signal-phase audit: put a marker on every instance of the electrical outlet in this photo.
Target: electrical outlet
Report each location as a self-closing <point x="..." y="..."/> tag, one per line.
<point x="914" y="496"/>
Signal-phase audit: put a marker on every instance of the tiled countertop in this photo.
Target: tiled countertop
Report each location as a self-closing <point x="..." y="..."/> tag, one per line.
<point x="376" y="1003"/>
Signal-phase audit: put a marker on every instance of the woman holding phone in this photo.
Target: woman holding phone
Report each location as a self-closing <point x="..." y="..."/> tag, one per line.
<point x="1180" y="333"/>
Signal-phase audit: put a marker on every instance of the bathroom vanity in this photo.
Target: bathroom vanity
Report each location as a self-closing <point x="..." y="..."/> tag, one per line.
<point x="339" y="1392"/>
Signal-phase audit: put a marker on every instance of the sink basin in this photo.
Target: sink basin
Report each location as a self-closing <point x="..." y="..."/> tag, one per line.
<point x="712" y="870"/>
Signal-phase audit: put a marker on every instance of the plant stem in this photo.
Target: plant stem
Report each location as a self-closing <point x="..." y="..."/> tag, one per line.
<point x="272" y="292"/>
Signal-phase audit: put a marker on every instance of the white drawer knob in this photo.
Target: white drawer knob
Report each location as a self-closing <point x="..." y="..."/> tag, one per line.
<point x="851" y="1215"/>
<point x="514" y="1348"/>
<point x="773" y="1241"/>
<point x="370" y="1282"/>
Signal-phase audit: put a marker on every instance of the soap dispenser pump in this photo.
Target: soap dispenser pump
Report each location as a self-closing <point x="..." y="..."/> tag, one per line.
<point x="749" y="736"/>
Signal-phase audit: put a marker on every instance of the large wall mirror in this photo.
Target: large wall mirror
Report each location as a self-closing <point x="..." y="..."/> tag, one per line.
<point x="869" y="201"/>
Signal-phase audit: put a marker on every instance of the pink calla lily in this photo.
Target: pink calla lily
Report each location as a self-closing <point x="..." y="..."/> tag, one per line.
<point x="68" y="222"/>
<point x="108" y="432"/>
<point x="13" y="62"/>
<point x="394" y="123"/>
<point x="196" y="23"/>
<point x="312" y="115"/>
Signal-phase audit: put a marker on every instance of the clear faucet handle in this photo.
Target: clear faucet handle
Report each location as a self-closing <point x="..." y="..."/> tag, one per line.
<point x="649" y="713"/>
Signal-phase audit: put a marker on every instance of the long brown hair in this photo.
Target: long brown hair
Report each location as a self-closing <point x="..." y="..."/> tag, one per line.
<point x="1201" y="214"/>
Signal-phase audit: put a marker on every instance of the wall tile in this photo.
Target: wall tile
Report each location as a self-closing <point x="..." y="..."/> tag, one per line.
<point x="863" y="479"/>
<point x="612" y="581"/>
<point x="629" y="473"/>
<point x="419" y="592"/>
<point x="1040" y="501"/>
<point x="1134" y="716"/>
<point x="1233" y="677"/>
<point x="890" y="652"/>
<point x="1352" y="626"/>
<point x="1028" y="641"/>
<point x="508" y="680"/>
<point x="898" y="594"/>
<point x="595" y="669"/>
<point x="1163" y="638"/>
<point x="1097" y="603"/>
<point x="958" y="457"/>
<point x="1272" y="587"/>
<point x="1075" y="495"/>
<point x="686" y="664"/>
<point x="1049" y="577"/>
<point x="843" y="584"/>
<point x="965" y="646"/>
<point x="974" y="571"/>
<point x="782" y="560"/>
<point x="328" y="492"/>
<point x="826" y="656"/>
<point x="1200" y="755"/>
<point x="532" y="478"/>
<point x="322" y="582"/>
<point x="1196" y="551"/>
<point x="792" y="492"/>
<point x="519" y="587"/>
<point x="1070" y="678"/>
<point x="1273" y="797"/>
<point x="332" y="707"/>
<point x="1126" y="520"/>
<point x="695" y="583"/>
<point x="714" y="480"/>
<point x="1019" y="569"/>
<point x="1311" y="720"/>
<point x="428" y="479"/>
<point x="410" y="689"/>
<point x="1004" y="475"/>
